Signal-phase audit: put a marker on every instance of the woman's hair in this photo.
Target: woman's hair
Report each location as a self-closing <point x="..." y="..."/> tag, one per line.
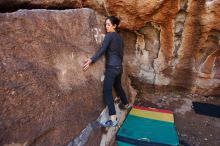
<point x="114" y="20"/>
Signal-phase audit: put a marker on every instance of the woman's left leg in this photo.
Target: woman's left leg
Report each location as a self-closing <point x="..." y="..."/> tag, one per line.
<point x="119" y="90"/>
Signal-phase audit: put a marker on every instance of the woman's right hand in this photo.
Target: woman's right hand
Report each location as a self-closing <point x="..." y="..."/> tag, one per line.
<point x="86" y="64"/>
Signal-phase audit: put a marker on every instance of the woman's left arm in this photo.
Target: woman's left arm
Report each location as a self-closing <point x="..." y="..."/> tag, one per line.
<point x="102" y="50"/>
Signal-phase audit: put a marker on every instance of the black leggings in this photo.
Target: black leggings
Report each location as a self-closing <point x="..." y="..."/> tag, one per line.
<point x="113" y="76"/>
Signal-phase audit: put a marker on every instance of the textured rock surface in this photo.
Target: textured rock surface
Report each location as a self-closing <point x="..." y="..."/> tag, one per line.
<point x="46" y="98"/>
<point x="179" y="49"/>
<point x="198" y="56"/>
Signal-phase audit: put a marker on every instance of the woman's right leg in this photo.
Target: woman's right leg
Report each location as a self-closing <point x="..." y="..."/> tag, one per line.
<point x="107" y="90"/>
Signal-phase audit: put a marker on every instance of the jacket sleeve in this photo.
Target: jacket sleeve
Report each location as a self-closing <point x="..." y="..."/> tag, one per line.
<point x="103" y="49"/>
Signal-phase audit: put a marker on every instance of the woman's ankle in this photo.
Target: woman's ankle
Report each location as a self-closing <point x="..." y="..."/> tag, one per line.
<point x="125" y="106"/>
<point x="113" y="117"/>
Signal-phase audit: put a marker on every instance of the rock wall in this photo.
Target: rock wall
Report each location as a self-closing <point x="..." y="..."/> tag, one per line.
<point x="178" y="49"/>
<point x="46" y="97"/>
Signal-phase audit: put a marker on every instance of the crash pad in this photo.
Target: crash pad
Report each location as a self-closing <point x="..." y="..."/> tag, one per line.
<point x="148" y="127"/>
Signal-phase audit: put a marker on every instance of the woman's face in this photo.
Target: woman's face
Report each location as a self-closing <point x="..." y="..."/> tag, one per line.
<point x="109" y="27"/>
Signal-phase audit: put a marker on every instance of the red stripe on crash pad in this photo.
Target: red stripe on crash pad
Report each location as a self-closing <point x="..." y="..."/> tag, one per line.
<point x="153" y="109"/>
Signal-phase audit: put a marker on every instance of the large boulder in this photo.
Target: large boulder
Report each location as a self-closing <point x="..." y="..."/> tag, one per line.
<point x="177" y="48"/>
<point x="46" y="98"/>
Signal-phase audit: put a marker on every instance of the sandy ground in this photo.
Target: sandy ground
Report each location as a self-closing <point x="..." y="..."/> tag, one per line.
<point x="194" y="127"/>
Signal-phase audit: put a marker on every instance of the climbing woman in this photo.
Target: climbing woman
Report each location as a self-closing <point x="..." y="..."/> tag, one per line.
<point x="112" y="47"/>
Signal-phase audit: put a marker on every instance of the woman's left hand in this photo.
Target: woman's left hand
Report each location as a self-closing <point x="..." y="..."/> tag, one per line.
<point x="87" y="63"/>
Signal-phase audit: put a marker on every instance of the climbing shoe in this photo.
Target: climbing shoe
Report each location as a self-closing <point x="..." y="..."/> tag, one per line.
<point x="109" y="123"/>
<point x="124" y="107"/>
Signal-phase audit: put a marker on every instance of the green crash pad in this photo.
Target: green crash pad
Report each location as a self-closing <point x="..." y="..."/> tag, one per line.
<point x="148" y="127"/>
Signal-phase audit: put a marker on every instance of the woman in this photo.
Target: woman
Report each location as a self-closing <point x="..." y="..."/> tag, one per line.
<point x="112" y="47"/>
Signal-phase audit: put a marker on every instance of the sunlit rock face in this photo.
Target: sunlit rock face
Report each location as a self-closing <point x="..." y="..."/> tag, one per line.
<point x="198" y="55"/>
<point x="46" y="98"/>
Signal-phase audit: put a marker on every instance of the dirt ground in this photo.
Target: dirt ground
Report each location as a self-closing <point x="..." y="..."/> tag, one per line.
<point x="195" y="126"/>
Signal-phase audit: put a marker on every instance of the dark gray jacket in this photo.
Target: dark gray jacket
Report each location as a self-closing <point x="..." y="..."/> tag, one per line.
<point x="113" y="48"/>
